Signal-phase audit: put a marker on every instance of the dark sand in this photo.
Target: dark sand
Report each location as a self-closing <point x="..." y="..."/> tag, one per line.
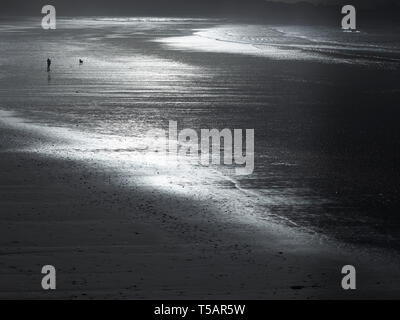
<point x="109" y="240"/>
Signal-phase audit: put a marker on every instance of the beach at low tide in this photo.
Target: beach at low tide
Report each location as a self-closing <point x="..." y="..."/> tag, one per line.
<point x="79" y="192"/>
<point x="112" y="235"/>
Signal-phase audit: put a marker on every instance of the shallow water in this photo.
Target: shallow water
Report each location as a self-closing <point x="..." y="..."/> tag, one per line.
<point x="323" y="104"/>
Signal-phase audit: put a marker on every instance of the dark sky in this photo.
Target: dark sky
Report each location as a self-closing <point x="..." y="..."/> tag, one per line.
<point x="154" y="7"/>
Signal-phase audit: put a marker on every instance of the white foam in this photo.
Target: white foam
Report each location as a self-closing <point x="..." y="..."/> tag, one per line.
<point x="135" y="165"/>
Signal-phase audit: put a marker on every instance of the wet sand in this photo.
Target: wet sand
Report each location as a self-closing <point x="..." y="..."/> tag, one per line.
<point x="109" y="239"/>
<point x="326" y="133"/>
<point x="116" y="227"/>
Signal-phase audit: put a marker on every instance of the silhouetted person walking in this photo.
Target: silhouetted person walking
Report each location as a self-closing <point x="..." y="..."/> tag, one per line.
<point x="48" y="64"/>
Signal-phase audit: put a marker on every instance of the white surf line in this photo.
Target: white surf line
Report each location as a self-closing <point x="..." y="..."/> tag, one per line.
<point x="81" y="145"/>
<point x="253" y="193"/>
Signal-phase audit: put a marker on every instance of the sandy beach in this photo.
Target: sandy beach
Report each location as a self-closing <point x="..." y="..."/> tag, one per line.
<point x="80" y="192"/>
<point x="110" y="239"/>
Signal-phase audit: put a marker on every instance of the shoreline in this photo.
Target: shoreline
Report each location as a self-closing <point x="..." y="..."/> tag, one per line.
<point x="109" y="233"/>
